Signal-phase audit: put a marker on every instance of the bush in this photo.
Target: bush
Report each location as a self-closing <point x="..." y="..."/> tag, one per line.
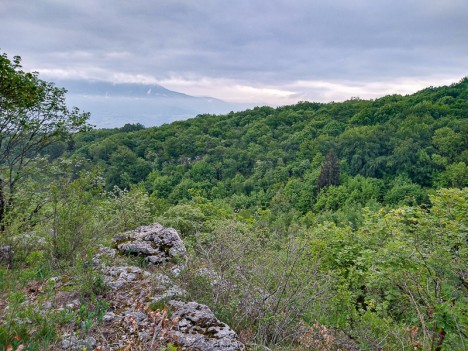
<point x="261" y="287"/>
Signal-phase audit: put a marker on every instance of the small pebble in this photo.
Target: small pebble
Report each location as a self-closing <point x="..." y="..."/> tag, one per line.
<point x="108" y="317"/>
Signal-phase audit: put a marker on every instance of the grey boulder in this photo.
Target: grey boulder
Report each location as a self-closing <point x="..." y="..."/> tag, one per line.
<point x="154" y="242"/>
<point x="197" y="329"/>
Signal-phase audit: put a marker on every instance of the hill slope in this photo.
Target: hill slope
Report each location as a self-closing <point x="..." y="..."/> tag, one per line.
<point x="312" y="226"/>
<point x="395" y="145"/>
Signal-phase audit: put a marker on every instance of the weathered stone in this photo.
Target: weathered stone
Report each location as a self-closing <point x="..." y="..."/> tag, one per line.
<point x="198" y="329"/>
<point x="75" y="344"/>
<point x="108" y="317"/>
<point x="154" y="242"/>
<point x="68" y="343"/>
<point x="166" y="289"/>
<point x="137" y="315"/>
<point x="117" y="276"/>
<point x="193" y="326"/>
<point x="138" y="247"/>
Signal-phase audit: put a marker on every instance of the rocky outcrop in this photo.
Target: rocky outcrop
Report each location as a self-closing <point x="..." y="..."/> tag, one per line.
<point x="145" y="308"/>
<point x="116" y="276"/>
<point x="155" y="243"/>
<point x="197" y="328"/>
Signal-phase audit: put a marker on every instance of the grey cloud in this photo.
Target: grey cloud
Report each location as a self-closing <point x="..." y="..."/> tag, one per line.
<point x="262" y="41"/>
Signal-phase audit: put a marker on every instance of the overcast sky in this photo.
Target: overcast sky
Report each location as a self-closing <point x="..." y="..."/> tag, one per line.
<point x="266" y="51"/>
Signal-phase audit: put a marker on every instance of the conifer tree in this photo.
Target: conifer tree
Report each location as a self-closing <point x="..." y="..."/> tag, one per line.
<point x="329" y="171"/>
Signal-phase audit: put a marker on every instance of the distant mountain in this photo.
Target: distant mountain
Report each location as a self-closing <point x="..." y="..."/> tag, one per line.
<point x="122" y="89"/>
<point x="113" y="105"/>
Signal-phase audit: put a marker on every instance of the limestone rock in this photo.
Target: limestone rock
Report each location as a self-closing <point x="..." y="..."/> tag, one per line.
<point x="165" y="289"/>
<point x="138" y="314"/>
<point x="75" y="344"/>
<point x="117" y="276"/>
<point x="154" y="242"/>
<point x="198" y="329"/>
<point x="108" y="317"/>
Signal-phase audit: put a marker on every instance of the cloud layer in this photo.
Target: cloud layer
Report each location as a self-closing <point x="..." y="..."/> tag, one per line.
<point x="275" y="51"/>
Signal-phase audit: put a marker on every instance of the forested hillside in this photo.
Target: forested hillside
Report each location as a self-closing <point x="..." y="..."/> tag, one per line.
<point x="392" y="150"/>
<point x="339" y="226"/>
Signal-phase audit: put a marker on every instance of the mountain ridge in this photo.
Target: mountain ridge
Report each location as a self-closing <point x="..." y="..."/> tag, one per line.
<point x="115" y="104"/>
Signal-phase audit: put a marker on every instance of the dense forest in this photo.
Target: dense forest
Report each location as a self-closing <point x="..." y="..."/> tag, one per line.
<point x="390" y="151"/>
<point x="330" y="224"/>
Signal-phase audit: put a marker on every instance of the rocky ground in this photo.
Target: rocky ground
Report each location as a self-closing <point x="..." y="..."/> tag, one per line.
<point x="138" y="306"/>
<point x="141" y="306"/>
<point x="146" y="309"/>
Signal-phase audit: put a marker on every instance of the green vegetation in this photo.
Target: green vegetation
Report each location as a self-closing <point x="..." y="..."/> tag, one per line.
<point x="33" y="116"/>
<point x="390" y="151"/>
<point x="308" y="226"/>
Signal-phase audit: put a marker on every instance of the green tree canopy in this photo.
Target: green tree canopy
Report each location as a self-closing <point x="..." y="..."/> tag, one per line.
<point x="33" y="115"/>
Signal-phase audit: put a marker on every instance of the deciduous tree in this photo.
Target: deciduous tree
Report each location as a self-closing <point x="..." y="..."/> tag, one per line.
<point x="33" y="115"/>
